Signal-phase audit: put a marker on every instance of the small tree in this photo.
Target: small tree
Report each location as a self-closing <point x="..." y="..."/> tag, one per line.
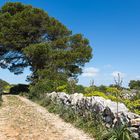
<point x="72" y="85"/>
<point x="118" y="82"/>
<point x="92" y="85"/>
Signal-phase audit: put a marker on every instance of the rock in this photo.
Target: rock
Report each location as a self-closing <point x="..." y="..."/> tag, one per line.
<point x="63" y="98"/>
<point x="109" y="116"/>
<point x="131" y="115"/>
<point x="108" y="119"/>
<point x="75" y="97"/>
<point x="107" y="112"/>
<point x="136" y="135"/>
<point x="135" y="122"/>
<point x="133" y="129"/>
<point x="97" y="108"/>
<point x="52" y="95"/>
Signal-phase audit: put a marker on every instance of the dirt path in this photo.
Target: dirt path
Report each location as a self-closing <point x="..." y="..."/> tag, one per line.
<point x="21" y="119"/>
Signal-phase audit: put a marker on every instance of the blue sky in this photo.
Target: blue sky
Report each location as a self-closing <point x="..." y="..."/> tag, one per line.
<point x="113" y="28"/>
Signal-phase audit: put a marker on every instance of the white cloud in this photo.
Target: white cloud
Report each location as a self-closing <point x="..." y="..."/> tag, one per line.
<point x="115" y="74"/>
<point x="90" y="72"/>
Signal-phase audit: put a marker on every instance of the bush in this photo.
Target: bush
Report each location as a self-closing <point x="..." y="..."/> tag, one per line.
<point x="133" y="106"/>
<point x="68" y="89"/>
<point x="97" y="93"/>
<point x="3" y="83"/>
<point x="38" y="90"/>
<point x="19" y="88"/>
<point x="91" y="89"/>
<point x="137" y="96"/>
<point x="134" y="84"/>
<point x="102" y="88"/>
<point x="80" y="89"/>
<point x="62" y="88"/>
<point x="119" y="133"/>
<point x="7" y="88"/>
<point x="112" y="90"/>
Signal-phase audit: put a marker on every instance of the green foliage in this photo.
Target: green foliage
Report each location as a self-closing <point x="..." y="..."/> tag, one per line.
<point x="7" y="89"/>
<point x="101" y="94"/>
<point x="137" y="96"/>
<point x="48" y="82"/>
<point x="102" y="88"/>
<point x="20" y="26"/>
<point x="116" y="86"/>
<point x="62" y="88"/>
<point x="68" y="89"/>
<point x="134" y="84"/>
<point x="30" y="37"/>
<point x="3" y="85"/>
<point x="38" y="90"/>
<point x="71" y="86"/>
<point x="80" y="89"/>
<point x="64" y="61"/>
<point x="112" y="90"/>
<point x="120" y="133"/>
<point x="91" y="89"/>
<point x="134" y="106"/>
<point x="97" y="93"/>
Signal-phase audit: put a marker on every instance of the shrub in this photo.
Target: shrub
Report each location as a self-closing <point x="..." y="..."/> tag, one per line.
<point x="19" y="88"/>
<point x="134" y="84"/>
<point x="119" y="133"/>
<point x="112" y="90"/>
<point x="102" y="88"/>
<point x="71" y="85"/>
<point x="91" y="89"/>
<point x="80" y="89"/>
<point x="114" y="98"/>
<point x="133" y="106"/>
<point x="38" y="90"/>
<point x="3" y="83"/>
<point x="7" y="88"/>
<point x="137" y="96"/>
<point x="62" y="88"/>
<point x="101" y="94"/>
<point x="97" y="93"/>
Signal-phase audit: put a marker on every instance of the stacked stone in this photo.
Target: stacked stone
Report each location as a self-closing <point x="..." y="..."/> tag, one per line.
<point x="98" y="105"/>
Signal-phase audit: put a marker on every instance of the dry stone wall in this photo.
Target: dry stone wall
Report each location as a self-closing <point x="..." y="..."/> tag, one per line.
<point x="106" y="108"/>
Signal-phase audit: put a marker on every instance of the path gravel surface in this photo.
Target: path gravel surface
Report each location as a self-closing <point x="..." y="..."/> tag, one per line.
<point x="22" y="119"/>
